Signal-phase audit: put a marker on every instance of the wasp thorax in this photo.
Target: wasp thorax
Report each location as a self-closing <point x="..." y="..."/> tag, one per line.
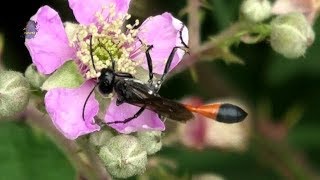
<point x="104" y="41"/>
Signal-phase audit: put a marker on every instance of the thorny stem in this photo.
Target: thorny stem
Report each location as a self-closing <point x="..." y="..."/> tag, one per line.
<point x="218" y="46"/>
<point x="194" y="23"/>
<point x="193" y="10"/>
<point x="87" y="165"/>
<point x="212" y="47"/>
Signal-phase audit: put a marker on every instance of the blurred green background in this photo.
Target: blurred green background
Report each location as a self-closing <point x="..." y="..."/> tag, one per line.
<point x="268" y="82"/>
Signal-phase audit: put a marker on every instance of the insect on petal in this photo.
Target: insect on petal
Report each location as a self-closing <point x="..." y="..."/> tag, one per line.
<point x="49" y="48"/>
<point x="148" y="120"/>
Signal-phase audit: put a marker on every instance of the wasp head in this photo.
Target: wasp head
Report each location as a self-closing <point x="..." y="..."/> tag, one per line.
<point x="106" y="81"/>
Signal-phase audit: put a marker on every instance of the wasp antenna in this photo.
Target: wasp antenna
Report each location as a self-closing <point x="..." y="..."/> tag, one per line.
<point x="225" y="113"/>
<point x="91" y="54"/>
<point x="110" y="55"/>
<point x="112" y="60"/>
<point x="86" y="101"/>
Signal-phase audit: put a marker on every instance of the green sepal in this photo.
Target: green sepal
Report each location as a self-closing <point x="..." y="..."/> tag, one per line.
<point x="67" y="76"/>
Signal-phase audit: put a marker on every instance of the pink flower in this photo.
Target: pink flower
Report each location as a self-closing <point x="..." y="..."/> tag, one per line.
<point x="54" y="44"/>
<point x="309" y="8"/>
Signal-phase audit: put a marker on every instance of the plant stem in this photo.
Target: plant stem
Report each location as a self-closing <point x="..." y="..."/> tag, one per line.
<point x="84" y="162"/>
<point x="218" y="46"/>
<point x="194" y="23"/>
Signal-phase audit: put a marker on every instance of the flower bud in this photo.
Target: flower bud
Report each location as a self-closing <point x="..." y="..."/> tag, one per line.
<point x="291" y="35"/>
<point x="101" y="137"/>
<point x="35" y="78"/>
<point x="150" y="140"/>
<point x="14" y="93"/>
<point x="256" y="10"/>
<point x="124" y="156"/>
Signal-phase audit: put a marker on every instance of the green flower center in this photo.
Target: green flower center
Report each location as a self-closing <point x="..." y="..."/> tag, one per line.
<point x="111" y="40"/>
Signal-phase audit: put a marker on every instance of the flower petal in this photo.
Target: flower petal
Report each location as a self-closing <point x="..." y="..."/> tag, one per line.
<point x="85" y="10"/>
<point x="308" y="8"/>
<point x="163" y="32"/>
<point x="65" y="109"/>
<point x="148" y="120"/>
<point x="49" y="48"/>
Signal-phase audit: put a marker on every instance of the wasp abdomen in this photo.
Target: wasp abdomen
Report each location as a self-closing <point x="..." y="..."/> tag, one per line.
<point x="229" y="113"/>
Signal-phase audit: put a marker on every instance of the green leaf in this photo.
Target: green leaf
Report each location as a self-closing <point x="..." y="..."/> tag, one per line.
<point x="28" y="156"/>
<point x="68" y="76"/>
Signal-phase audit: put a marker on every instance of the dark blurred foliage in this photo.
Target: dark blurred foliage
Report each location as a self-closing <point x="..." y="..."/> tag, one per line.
<point x="266" y="79"/>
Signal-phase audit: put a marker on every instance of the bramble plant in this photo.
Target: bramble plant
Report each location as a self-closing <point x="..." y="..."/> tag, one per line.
<point x="68" y="57"/>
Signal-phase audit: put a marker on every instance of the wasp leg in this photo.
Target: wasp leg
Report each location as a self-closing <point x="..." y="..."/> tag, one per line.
<point x="149" y="61"/>
<point x="91" y="53"/>
<point x="171" y="56"/>
<point x="169" y="61"/>
<point x="137" y="114"/>
<point x="183" y="43"/>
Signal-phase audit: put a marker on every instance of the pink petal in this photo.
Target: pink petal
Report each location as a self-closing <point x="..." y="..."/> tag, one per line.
<point x="193" y="133"/>
<point x="49" y="48"/>
<point x="65" y="106"/>
<point x="148" y="120"/>
<point x="307" y="7"/>
<point x="85" y="10"/>
<point x="163" y="32"/>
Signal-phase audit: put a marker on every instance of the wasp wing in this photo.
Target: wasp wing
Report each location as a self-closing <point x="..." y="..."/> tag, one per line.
<point x="139" y="94"/>
<point x="168" y="108"/>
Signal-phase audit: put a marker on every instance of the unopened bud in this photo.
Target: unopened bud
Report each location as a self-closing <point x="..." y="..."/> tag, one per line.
<point x="291" y="35"/>
<point x="124" y="156"/>
<point x="256" y="10"/>
<point x="35" y="78"/>
<point x="150" y="140"/>
<point x="101" y="137"/>
<point x="14" y="93"/>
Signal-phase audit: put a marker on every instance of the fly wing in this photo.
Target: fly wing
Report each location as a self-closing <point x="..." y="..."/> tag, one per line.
<point x="140" y="95"/>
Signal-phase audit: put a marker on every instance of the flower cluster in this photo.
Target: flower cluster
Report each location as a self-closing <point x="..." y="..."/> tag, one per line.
<point x="102" y="33"/>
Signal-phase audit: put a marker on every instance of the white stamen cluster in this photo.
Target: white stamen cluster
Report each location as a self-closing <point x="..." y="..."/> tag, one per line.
<point x="107" y="36"/>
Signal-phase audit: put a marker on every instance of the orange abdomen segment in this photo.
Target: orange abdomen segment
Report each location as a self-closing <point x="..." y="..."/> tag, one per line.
<point x="209" y="110"/>
<point x="226" y="113"/>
